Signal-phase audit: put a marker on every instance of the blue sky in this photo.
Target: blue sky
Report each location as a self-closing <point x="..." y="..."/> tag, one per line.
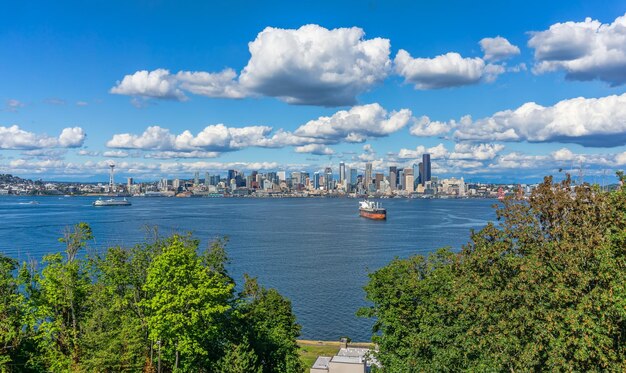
<point x="82" y="85"/>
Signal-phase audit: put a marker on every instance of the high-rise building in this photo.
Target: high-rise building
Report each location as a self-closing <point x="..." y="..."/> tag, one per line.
<point x="353" y="177"/>
<point x="407" y="181"/>
<point x="206" y="179"/>
<point x="231" y="175"/>
<point x="282" y="176"/>
<point x="393" y="177"/>
<point x="420" y="177"/>
<point x="196" y="178"/>
<point x="426" y="166"/>
<point x="368" y="174"/>
<point x="379" y="177"/>
<point x="342" y="172"/>
<point x="176" y="184"/>
<point x="129" y="183"/>
<point x="328" y="178"/>
<point x="316" y="180"/>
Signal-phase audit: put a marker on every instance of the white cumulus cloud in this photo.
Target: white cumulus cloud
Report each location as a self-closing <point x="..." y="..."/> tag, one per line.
<point x="479" y="152"/>
<point x="158" y="83"/>
<point x="585" y="50"/>
<point x="315" y="66"/>
<point x="498" y="48"/>
<point x="310" y="65"/>
<point x="216" y="137"/>
<point x="585" y="121"/>
<point x="355" y="125"/>
<point x="317" y="149"/>
<point x="16" y="138"/>
<point x="444" y="71"/>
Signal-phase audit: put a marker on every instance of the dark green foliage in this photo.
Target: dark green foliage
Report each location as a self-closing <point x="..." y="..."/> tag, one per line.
<point x="111" y="312"/>
<point x="543" y="290"/>
<point x="271" y="326"/>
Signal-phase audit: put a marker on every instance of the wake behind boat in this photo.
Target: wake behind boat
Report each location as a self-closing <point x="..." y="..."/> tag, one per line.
<point x="111" y="202"/>
<point x="372" y="210"/>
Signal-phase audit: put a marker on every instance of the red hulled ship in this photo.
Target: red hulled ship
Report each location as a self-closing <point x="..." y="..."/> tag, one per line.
<point x="372" y="210"/>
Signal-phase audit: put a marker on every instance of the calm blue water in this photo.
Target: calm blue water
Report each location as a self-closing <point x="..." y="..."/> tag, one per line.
<point x="315" y="251"/>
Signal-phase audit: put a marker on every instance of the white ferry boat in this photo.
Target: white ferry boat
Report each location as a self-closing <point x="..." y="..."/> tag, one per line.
<point x="111" y="202"/>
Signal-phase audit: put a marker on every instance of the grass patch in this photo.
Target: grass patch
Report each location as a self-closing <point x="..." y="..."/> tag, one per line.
<point x="310" y="350"/>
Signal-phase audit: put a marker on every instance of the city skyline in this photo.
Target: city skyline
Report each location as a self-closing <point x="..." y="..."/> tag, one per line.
<point x="168" y="90"/>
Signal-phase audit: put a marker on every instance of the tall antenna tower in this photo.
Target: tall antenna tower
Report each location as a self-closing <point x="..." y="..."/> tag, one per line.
<point x="581" y="173"/>
<point x="111" y="182"/>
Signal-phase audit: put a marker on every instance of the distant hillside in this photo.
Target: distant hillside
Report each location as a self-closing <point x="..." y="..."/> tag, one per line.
<point x="10" y="179"/>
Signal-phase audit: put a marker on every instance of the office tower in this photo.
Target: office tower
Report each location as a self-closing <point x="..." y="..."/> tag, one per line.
<point x="368" y="175"/>
<point x="407" y="181"/>
<point x="316" y="180"/>
<point x="426" y="166"/>
<point x="296" y="178"/>
<point x="378" y="179"/>
<point x="393" y="177"/>
<point x="353" y="177"/>
<point x="206" y="179"/>
<point x="421" y="173"/>
<point x="346" y="180"/>
<point x="282" y="176"/>
<point x="410" y="183"/>
<point x="342" y="172"/>
<point x="231" y="175"/>
<point x="129" y="183"/>
<point x="196" y="178"/>
<point x="176" y="184"/>
<point x="328" y="178"/>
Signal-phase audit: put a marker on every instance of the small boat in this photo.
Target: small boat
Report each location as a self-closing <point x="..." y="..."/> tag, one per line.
<point x="111" y="202"/>
<point x="33" y="203"/>
<point x="372" y="210"/>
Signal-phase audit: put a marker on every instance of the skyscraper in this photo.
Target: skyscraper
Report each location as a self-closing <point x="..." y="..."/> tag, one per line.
<point x="408" y="179"/>
<point x="328" y="178"/>
<point x="342" y="172"/>
<point x="426" y="166"/>
<point x="353" y="177"/>
<point x="231" y="175"/>
<point x="206" y="179"/>
<point x="316" y="180"/>
<point x="368" y="174"/>
<point x="393" y="177"/>
<point x="196" y="178"/>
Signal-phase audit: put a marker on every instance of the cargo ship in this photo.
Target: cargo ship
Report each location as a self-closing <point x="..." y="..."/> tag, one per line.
<point x="111" y="202"/>
<point x="372" y="210"/>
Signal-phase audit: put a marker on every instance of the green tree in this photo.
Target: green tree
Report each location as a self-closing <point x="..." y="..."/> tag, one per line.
<point x="543" y="290"/>
<point x="239" y="358"/>
<point x="58" y="301"/>
<point x="269" y="321"/>
<point x="11" y="315"/>
<point x="186" y="300"/>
